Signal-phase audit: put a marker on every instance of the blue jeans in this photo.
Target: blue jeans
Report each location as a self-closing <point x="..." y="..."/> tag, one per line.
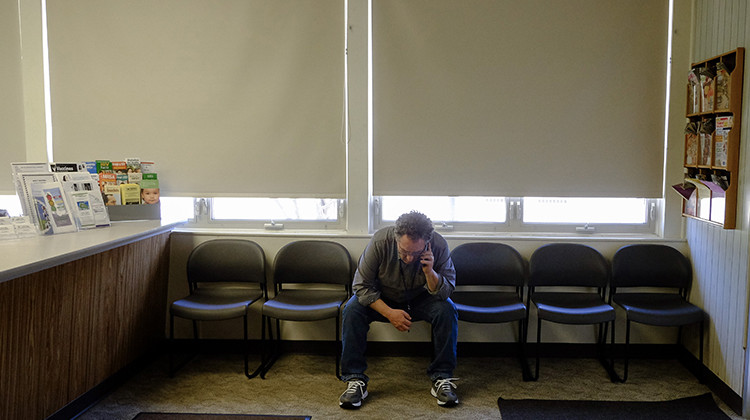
<point x="441" y="314"/>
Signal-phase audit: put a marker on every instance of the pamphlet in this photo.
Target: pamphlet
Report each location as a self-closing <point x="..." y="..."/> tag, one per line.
<point x="24" y="181"/>
<point x="111" y="195"/>
<point x="721" y="139"/>
<point x="82" y="183"/>
<point x="130" y="194"/>
<point x="83" y="209"/>
<point x="53" y="212"/>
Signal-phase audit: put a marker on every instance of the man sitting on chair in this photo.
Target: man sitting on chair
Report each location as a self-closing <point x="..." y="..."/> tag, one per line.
<point x="404" y="275"/>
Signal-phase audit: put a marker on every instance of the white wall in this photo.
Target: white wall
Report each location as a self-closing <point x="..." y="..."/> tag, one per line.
<point x="720" y="256"/>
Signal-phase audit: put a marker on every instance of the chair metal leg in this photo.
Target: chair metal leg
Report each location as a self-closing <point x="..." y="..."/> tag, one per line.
<point x="262" y="349"/>
<point x="171" y="346"/>
<point x="538" y="344"/>
<point x="276" y="344"/>
<point x="609" y="365"/>
<point x="627" y="349"/>
<point x="525" y="371"/>
<point x="246" y="345"/>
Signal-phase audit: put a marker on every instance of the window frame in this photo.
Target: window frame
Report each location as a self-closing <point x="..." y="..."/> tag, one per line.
<point x="204" y="217"/>
<point x="514" y="223"/>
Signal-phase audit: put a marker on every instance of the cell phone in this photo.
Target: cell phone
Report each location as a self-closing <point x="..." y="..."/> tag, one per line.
<point x="426" y="247"/>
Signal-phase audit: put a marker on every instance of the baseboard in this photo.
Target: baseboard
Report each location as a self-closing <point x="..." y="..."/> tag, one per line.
<point x="713" y="382"/>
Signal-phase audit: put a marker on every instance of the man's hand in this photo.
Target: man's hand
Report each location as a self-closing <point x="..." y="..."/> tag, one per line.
<point x="400" y="319"/>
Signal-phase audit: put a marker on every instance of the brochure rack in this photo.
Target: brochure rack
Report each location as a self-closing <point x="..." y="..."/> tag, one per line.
<point x="712" y="139"/>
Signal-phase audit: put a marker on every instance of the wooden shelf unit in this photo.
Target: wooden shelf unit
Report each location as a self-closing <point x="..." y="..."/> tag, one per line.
<point x="711" y="157"/>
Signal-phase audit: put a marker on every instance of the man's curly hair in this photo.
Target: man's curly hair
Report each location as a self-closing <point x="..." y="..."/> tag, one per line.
<point x="415" y="225"/>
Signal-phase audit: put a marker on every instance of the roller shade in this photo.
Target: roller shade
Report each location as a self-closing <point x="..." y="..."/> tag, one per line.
<point x="12" y="137"/>
<point x="519" y="98"/>
<point x="228" y="97"/>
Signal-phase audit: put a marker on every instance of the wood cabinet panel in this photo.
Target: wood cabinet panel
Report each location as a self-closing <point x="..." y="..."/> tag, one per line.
<point x="66" y="329"/>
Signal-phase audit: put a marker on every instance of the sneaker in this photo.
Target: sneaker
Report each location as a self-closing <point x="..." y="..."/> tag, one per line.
<point x="356" y="391"/>
<point x="442" y="389"/>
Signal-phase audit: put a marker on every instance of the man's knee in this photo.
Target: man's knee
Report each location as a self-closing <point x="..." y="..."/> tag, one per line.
<point x="354" y="312"/>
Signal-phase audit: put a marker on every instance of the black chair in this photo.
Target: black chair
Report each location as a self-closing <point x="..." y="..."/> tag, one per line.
<point x="573" y="278"/>
<point x="490" y="281"/>
<point x="662" y="276"/>
<point x="312" y="280"/>
<point x="225" y="276"/>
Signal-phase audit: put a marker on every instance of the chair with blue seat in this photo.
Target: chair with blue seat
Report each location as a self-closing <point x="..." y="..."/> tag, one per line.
<point x="225" y="277"/>
<point x="567" y="285"/>
<point x="312" y="280"/>
<point x="650" y="282"/>
<point x="490" y="282"/>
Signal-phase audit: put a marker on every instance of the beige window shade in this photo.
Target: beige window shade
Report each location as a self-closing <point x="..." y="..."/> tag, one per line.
<point x="228" y="97"/>
<point x="519" y="98"/>
<point x="12" y="140"/>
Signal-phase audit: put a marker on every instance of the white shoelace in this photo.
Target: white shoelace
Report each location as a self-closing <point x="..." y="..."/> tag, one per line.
<point x="446" y="384"/>
<point x="354" y="386"/>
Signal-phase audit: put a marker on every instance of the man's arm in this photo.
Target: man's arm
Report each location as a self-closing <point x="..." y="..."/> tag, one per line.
<point x="400" y="319"/>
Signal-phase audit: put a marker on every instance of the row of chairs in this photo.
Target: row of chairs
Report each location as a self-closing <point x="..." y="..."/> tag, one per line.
<point x="311" y="279"/>
<point x="566" y="283"/>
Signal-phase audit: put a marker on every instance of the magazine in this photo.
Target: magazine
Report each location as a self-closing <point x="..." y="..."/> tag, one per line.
<point x="24" y="181"/>
<point x="53" y="211"/>
<point x="134" y="164"/>
<point x="119" y="166"/>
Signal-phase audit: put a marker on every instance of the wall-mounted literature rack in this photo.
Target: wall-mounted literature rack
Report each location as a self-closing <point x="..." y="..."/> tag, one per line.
<point x="712" y="139"/>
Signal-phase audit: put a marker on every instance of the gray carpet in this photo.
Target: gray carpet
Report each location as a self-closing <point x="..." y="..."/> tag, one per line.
<point x="399" y="388"/>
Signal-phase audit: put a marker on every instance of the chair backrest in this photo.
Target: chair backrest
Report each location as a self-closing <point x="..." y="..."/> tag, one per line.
<point x="313" y="262"/>
<point x="486" y="263"/>
<point x="227" y="260"/>
<point x="650" y="265"/>
<point x="567" y="264"/>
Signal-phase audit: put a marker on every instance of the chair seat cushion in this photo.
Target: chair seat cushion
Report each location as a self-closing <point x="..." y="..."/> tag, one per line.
<point x="215" y="303"/>
<point x="661" y="309"/>
<point x="573" y="308"/>
<point x="305" y="305"/>
<point x="489" y="307"/>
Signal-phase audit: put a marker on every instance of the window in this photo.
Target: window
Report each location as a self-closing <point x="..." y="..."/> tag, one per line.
<point x="528" y="214"/>
<point x="448" y="213"/>
<point x="584" y="210"/>
<point x="177" y="208"/>
<point x="262" y="212"/>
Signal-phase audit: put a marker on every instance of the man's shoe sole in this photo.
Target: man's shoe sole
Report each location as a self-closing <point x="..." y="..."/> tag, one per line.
<point x="444" y="403"/>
